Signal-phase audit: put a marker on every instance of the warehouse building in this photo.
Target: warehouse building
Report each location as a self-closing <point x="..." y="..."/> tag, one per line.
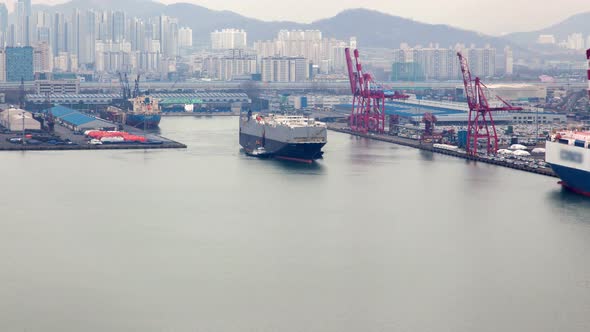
<point x="78" y="121"/>
<point x="15" y="119"/>
<point x="170" y="102"/>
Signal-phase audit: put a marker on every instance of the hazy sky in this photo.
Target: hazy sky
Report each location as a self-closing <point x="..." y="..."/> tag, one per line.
<point x="492" y="17"/>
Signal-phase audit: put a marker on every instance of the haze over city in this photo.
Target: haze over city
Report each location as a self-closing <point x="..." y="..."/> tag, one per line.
<point x="294" y="165"/>
<point x="490" y="17"/>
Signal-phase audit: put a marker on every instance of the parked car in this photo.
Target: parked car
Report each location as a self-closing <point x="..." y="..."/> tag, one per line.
<point x="94" y="141"/>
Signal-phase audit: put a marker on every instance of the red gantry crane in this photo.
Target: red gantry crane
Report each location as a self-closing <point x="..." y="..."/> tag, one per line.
<point x="480" y="123"/>
<point x="368" y="103"/>
<point x="588" y="71"/>
<point x="429" y="120"/>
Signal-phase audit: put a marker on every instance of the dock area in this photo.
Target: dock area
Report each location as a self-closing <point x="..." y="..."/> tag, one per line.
<point x="63" y="138"/>
<point x="429" y="147"/>
<point x="198" y="114"/>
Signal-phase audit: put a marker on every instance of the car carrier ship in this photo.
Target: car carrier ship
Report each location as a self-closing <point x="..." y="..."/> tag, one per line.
<point x="568" y="153"/>
<point x="287" y="137"/>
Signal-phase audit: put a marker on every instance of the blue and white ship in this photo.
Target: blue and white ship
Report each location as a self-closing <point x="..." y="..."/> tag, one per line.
<point x="146" y="112"/>
<point x="287" y="137"/>
<point x="568" y="153"/>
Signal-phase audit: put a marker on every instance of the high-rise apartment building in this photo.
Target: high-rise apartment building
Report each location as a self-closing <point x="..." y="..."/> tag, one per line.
<point x="508" y="61"/>
<point x="23" y="16"/>
<point x="434" y="63"/>
<point x="233" y="64"/>
<point x="326" y="53"/>
<point x="284" y="69"/>
<point x="2" y="65"/>
<point x="118" y="26"/>
<point x="228" y="39"/>
<point x="59" y="34"/>
<point x="185" y="37"/>
<point x="575" y="41"/>
<point x="3" y="23"/>
<point x="168" y="36"/>
<point x="546" y="39"/>
<point x="73" y="37"/>
<point x="19" y="64"/>
<point x="42" y="58"/>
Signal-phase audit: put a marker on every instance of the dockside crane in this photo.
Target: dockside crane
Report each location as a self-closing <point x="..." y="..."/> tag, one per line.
<point x="368" y="101"/>
<point x="429" y="121"/>
<point x="136" y="91"/>
<point x="480" y="125"/>
<point x="588" y="71"/>
<point x="125" y="91"/>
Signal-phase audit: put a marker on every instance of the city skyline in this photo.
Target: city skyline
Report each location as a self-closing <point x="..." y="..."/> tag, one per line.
<point x="454" y="13"/>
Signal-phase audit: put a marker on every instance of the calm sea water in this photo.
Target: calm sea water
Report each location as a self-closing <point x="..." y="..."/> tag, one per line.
<point x="375" y="237"/>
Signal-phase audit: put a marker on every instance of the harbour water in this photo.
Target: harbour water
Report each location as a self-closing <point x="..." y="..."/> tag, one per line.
<point x="375" y="237"/>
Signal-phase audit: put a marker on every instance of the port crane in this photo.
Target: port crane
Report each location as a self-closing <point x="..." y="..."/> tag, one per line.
<point x="588" y="71"/>
<point x="480" y="124"/>
<point x="429" y="120"/>
<point x="126" y="92"/>
<point x="125" y="89"/>
<point x="136" y="91"/>
<point x="368" y="101"/>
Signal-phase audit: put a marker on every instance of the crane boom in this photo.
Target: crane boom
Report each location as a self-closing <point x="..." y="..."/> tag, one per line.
<point x="351" y="74"/>
<point x="480" y="123"/>
<point x="368" y="98"/>
<point x="467" y="81"/>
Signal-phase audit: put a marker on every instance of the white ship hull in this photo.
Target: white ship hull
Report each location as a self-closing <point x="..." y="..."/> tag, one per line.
<point x="572" y="164"/>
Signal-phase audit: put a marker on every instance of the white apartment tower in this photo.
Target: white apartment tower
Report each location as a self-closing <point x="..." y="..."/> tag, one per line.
<point x="2" y="65"/>
<point x="508" y="61"/>
<point x="327" y="53"/>
<point x="42" y="58"/>
<point x="185" y="37"/>
<point x="228" y="39"/>
<point x="284" y="69"/>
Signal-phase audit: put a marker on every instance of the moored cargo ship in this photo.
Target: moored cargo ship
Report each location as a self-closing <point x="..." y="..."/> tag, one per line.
<point x="141" y="112"/>
<point x="568" y="153"/>
<point x="146" y="112"/>
<point x="288" y="137"/>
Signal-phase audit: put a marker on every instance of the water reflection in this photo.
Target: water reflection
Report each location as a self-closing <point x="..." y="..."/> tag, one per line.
<point x="570" y="204"/>
<point x="315" y="167"/>
<point x="427" y="155"/>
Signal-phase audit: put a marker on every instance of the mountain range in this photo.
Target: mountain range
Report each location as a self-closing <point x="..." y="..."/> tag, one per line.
<point x="381" y="31"/>
<point x="384" y="30"/>
<point x="579" y="23"/>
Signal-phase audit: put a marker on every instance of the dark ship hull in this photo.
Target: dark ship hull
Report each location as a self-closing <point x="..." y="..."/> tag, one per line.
<point x="286" y="137"/>
<point x="140" y="120"/>
<point x="264" y="147"/>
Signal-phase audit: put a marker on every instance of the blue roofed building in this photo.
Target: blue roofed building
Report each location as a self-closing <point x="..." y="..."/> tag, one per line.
<point x="76" y="120"/>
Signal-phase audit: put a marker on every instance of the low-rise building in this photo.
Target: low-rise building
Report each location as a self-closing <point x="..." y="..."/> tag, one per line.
<point x="76" y="120"/>
<point x="15" y="119"/>
<point x="57" y="86"/>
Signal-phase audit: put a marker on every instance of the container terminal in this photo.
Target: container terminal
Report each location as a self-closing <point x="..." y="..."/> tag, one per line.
<point x="411" y="122"/>
<point x="523" y="163"/>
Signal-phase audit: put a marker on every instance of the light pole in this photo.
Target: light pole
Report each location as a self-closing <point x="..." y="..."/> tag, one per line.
<point x="537" y="136"/>
<point x="23" y="118"/>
